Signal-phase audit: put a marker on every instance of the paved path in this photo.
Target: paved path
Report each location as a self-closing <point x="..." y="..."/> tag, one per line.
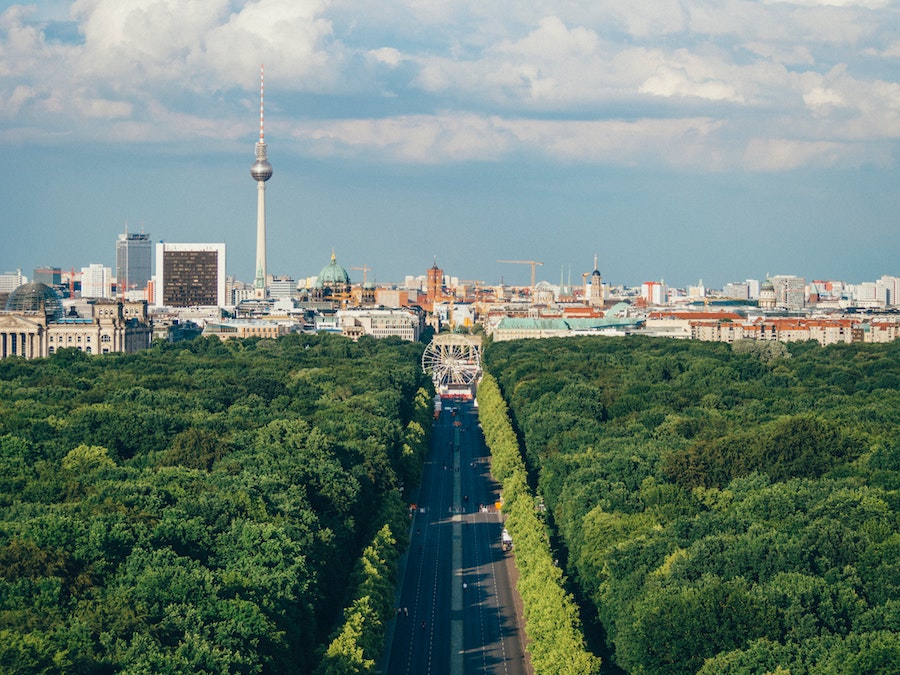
<point x="458" y="610"/>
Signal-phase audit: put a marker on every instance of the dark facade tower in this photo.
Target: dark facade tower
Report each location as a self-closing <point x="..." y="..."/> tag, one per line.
<point x="190" y="275"/>
<point x="133" y="268"/>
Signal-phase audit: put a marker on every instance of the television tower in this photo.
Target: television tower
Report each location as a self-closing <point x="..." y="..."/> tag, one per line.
<point x="261" y="172"/>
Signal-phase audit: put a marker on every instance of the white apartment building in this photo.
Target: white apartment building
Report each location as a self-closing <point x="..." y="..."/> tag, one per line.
<point x="889" y="289"/>
<point x="752" y="288"/>
<point x="790" y="291"/>
<point x="737" y="290"/>
<point x="10" y="281"/>
<point x="655" y="292"/>
<point x="282" y="287"/>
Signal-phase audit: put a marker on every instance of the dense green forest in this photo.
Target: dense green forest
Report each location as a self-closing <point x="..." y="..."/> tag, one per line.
<point x="721" y="509"/>
<point x="555" y="638"/>
<point x="204" y="507"/>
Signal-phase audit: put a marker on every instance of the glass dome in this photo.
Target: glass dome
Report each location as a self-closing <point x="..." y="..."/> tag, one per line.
<point x="36" y="297"/>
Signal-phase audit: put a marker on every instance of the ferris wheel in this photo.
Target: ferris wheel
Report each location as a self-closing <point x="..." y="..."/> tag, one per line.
<point x="452" y="360"/>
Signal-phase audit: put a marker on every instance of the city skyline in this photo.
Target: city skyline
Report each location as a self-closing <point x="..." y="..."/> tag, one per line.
<point x="678" y="143"/>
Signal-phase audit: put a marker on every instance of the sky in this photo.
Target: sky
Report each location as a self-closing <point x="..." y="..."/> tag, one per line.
<point x="675" y="140"/>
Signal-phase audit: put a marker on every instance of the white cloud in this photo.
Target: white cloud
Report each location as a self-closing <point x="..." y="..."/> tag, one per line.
<point x="868" y="4"/>
<point x="819" y="97"/>
<point x="575" y="81"/>
<point x="387" y="55"/>
<point x="783" y="154"/>
<point x="462" y="137"/>
<point x="678" y="80"/>
<point x="104" y="109"/>
<point x="293" y="37"/>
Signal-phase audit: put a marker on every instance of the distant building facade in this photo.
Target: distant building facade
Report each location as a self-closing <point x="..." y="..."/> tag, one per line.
<point x="33" y="325"/>
<point x="282" y="287"/>
<point x="736" y="290"/>
<point x="790" y="292"/>
<point x="381" y="323"/>
<point x="655" y="292"/>
<point x="890" y="290"/>
<point x="823" y="331"/>
<point x="10" y="281"/>
<point x="239" y="328"/>
<point x="51" y="276"/>
<point x="190" y="275"/>
<point x="96" y="281"/>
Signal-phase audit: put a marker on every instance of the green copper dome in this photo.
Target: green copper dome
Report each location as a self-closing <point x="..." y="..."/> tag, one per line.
<point x="333" y="275"/>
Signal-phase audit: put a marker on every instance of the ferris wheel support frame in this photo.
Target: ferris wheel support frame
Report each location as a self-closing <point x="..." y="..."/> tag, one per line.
<point x="453" y="361"/>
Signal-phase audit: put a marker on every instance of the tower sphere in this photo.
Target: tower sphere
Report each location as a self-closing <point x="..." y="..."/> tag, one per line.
<point x="261" y="170"/>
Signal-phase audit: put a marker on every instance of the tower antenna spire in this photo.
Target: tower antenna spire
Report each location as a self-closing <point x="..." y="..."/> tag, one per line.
<point x="262" y="134"/>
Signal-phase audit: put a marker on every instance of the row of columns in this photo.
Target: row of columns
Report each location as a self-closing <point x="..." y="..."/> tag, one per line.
<point x="16" y="343"/>
<point x="35" y="344"/>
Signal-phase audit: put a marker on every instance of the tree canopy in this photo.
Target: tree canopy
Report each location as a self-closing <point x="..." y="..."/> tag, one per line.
<point x="199" y="507"/>
<point x="720" y="509"/>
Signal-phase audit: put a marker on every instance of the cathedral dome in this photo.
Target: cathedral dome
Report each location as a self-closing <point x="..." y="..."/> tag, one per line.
<point x="333" y="276"/>
<point x="36" y="297"/>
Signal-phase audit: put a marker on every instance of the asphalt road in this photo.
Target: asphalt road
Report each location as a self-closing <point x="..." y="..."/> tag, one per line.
<point x="458" y="611"/>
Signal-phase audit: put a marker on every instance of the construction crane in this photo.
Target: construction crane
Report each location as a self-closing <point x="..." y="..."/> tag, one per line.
<point x="533" y="264"/>
<point x="365" y="268"/>
<point x="475" y="282"/>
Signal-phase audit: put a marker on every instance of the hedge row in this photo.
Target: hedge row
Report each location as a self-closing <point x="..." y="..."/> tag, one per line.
<point x="555" y="639"/>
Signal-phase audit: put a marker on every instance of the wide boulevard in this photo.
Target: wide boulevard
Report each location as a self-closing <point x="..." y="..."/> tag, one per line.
<point x="457" y="609"/>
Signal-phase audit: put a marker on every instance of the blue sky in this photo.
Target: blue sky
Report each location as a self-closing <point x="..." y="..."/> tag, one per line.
<point x="677" y="139"/>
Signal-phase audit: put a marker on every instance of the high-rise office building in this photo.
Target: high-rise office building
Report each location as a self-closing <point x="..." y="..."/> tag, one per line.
<point x="190" y="275"/>
<point x="133" y="268"/>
